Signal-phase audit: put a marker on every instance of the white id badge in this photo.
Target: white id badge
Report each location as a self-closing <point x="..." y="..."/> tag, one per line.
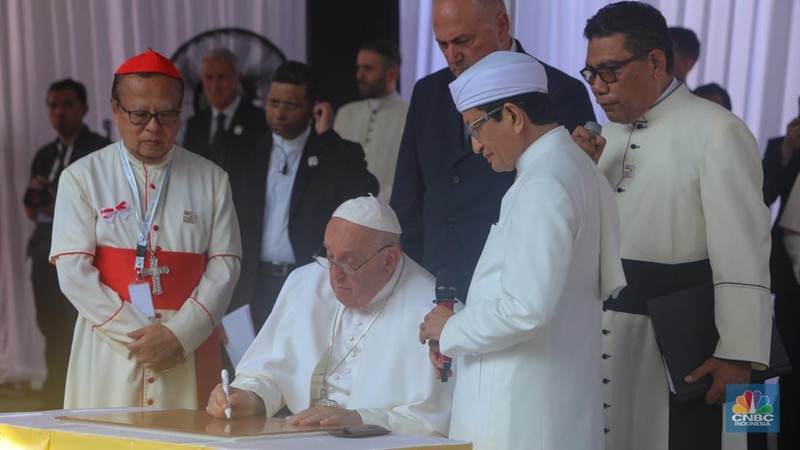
<point x="141" y="298"/>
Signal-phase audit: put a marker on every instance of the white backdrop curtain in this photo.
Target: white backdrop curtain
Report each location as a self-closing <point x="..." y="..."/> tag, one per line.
<point x="750" y="47"/>
<point x="46" y="40"/>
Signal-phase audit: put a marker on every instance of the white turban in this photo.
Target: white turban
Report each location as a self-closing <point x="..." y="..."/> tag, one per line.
<point x="369" y="212"/>
<point x="497" y="76"/>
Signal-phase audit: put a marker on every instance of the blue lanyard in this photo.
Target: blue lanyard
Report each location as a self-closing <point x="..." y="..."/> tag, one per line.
<point x="144" y="225"/>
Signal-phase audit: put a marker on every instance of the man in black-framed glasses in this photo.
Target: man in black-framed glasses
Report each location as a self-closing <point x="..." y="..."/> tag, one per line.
<point x="147" y="247"/>
<point x="687" y="179"/>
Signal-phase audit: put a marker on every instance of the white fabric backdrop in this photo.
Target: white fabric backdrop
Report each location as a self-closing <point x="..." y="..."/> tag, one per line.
<point x="746" y="47"/>
<point x="45" y="40"/>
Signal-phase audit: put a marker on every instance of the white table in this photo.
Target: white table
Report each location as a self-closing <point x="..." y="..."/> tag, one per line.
<point x="41" y="429"/>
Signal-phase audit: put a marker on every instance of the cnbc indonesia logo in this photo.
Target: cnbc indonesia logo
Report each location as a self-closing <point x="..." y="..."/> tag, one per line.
<point x="752" y="409"/>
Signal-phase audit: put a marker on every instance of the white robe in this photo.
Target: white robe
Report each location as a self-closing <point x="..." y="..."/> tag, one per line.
<point x="392" y="379"/>
<point x="694" y="193"/>
<point x="529" y="374"/>
<point x="376" y="124"/>
<point x="102" y="372"/>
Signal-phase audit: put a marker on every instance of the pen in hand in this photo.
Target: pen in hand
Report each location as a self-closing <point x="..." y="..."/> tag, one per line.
<point x="225" y="389"/>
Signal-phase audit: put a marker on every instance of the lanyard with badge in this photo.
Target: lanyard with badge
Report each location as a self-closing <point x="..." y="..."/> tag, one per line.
<point x="139" y="290"/>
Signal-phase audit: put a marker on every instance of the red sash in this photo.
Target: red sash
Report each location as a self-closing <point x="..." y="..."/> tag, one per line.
<point x="186" y="269"/>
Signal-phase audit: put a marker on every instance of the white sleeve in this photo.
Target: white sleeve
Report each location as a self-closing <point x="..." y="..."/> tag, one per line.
<point x="264" y="387"/>
<point x="395" y="421"/>
<point x="537" y="253"/>
<point x="201" y="312"/>
<point x="73" y="252"/>
<point x="738" y="237"/>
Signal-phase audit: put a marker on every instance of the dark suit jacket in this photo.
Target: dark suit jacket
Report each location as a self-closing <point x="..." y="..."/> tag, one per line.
<point x="85" y="143"/>
<point x="445" y="196"/>
<point x="248" y="121"/>
<point x="778" y="182"/>
<point x="331" y="171"/>
<point x="46" y="157"/>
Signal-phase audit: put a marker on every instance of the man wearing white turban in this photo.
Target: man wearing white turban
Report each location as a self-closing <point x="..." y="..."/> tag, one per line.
<point x="338" y="349"/>
<point x="528" y="358"/>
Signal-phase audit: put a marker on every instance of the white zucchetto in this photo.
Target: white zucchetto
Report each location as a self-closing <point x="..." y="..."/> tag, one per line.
<point x="369" y="212"/>
<point x="498" y="75"/>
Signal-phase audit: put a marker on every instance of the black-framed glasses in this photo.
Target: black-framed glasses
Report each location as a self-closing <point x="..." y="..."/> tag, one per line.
<point x="609" y="73"/>
<point x="472" y="128"/>
<point x="328" y="263"/>
<point x="142" y="117"/>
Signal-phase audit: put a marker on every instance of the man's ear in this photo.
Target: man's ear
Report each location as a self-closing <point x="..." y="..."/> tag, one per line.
<point x="393" y="74"/>
<point x="393" y="255"/>
<point x="113" y="104"/>
<point x="516" y="115"/>
<point x="658" y="61"/>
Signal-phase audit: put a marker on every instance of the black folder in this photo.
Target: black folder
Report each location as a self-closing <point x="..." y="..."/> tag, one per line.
<point x="687" y="335"/>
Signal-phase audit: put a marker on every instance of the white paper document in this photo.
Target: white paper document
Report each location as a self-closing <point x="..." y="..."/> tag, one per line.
<point x="141" y="298"/>
<point x="239" y="330"/>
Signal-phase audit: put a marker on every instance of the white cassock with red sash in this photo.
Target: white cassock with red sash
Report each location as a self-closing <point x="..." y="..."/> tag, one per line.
<point x="195" y="233"/>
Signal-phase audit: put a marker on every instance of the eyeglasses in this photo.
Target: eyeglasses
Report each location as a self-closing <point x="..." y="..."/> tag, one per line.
<point x="609" y="73"/>
<point x="143" y="117"/>
<point x="328" y="263"/>
<point x="472" y="129"/>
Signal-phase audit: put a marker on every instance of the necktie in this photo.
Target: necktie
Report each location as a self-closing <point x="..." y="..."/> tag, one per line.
<point x="217" y="144"/>
<point x="60" y="164"/>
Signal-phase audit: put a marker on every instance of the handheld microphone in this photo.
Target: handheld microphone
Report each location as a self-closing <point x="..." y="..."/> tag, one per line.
<point x="593" y="128"/>
<point x="446" y="295"/>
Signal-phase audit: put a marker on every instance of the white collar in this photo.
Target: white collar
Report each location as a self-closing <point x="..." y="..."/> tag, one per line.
<point x="289" y="145"/>
<point x="375" y="104"/>
<point x="228" y="111"/>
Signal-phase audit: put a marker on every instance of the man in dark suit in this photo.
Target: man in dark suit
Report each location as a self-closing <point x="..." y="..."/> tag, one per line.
<point x="232" y="125"/>
<point x="445" y="196"/>
<point x="289" y="185"/>
<point x="781" y="167"/>
<point x="55" y="315"/>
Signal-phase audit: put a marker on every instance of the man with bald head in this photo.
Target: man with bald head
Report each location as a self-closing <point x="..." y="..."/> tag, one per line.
<point x="338" y="349"/>
<point x="445" y="196"/>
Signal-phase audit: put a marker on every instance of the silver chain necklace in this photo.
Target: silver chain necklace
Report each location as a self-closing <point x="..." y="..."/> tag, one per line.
<point x="323" y="399"/>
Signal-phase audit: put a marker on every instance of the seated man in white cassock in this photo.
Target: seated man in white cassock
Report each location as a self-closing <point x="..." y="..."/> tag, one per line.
<point x="339" y="348"/>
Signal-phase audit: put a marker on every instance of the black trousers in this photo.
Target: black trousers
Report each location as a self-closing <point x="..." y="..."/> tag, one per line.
<point x="55" y="316"/>
<point x="268" y="285"/>
<point x="693" y="425"/>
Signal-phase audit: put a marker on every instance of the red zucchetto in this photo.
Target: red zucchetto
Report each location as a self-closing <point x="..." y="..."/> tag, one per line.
<point x="149" y="61"/>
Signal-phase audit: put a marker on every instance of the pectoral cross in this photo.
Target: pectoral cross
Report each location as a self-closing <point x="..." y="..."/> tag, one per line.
<point x="323" y="399"/>
<point x="155" y="271"/>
